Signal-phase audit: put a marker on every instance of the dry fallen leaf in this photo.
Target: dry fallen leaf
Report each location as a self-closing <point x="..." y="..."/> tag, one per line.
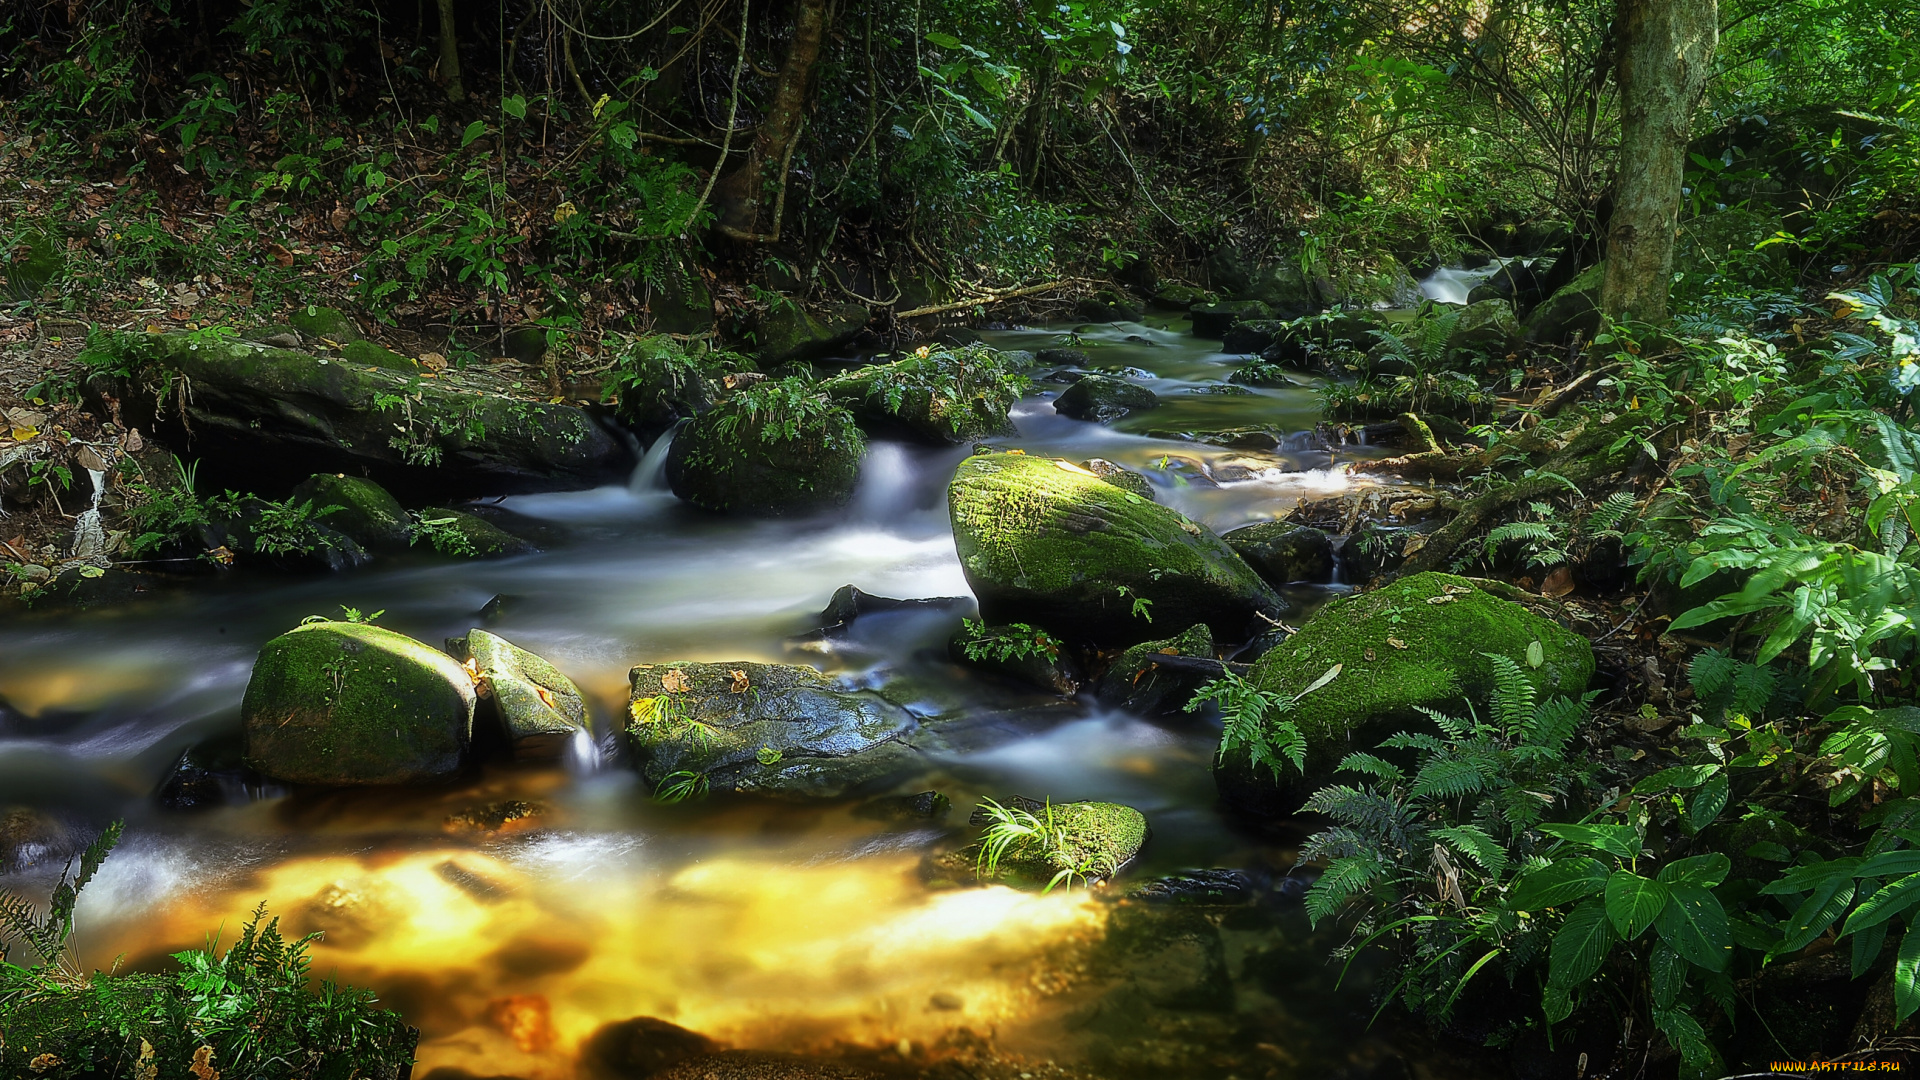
<point x="433" y="361"/>
<point x="1446" y="598"/>
<point x="739" y="681"/>
<point x="1558" y="583"/>
<point x="202" y="1067"/>
<point x="673" y="682"/>
<point x="1369" y="654"/>
<point x="134" y="443"/>
<point x="1396" y="643"/>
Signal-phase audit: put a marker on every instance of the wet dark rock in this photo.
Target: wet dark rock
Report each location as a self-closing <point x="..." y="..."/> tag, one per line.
<point x="497" y="607"/>
<point x="729" y="461"/>
<point x="788" y="333"/>
<point x="1171" y="957"/>
<point x="956" y="336"/>
<point x="1283" y="553"/>
<point x="1179" y="296"/>
<point x="762" y="1065"/>
<point x="1573" y="309"/>
<point x="1287" y="291"/>
<point x="1048" y="543"/>
<point x="1073" y="358"/>
<point x="263" y="418"/>
<point x="31" y="837"/>
<point x="494" y="817"/>
<point x="1214" y="320"/>
<point x="1140" y="682"/>
<point x="919" y="806"/>
<point x="782" y="730"/>
<point x="1374" y="549"/>
<point x="1044" y="665"/>
<point x="208" y="774"/>
<point x="1108" y="306"/>
<point x="527" y="344"/>
<point x="1120" y="476"/>
<point x="1232" y="438"/>
<point x="1487" y="328"/>
<point x="537" y="709"/>
<point x="1103" y="399"/>
<point x="367" y="513"/>
<point x="1252" y="338"/>
<point x="336" y="703"/>
<point x="1222" y="888"/>
<point x="850" y="602"/>
<point x="638" y="1048"/>
<point x="470" y="536"/>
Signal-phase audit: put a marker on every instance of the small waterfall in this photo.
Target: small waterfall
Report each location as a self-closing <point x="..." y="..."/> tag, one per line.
<point x="89" y="535"/>
<point x="582" y="755"/>
<point x="886" y="483"/>
<point x="1451" y="284"/>
<point x="651" y="474"/>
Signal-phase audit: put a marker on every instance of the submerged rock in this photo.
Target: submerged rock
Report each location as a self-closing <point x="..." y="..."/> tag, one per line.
<point x="468" y="536"/>
<point x="850" y="602"/>
<point x="1422" y="641"/>
<point x="1104" y="398"/>
<point x="756" y="453"/>
<point x="367" y="513"/>
<point x="1046" y="542"/>
<point x="1138" y="682"/>
<point x="275" y="415"/>
<point x="348" y="703"/>
<point x="775" y="729"/>
<point x="1211" y="888"/>
<point x="1283" y="553"/>
<point x="919" y="806"/>
<point x="537" y="707"/>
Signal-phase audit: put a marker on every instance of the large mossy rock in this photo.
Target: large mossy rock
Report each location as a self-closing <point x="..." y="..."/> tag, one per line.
<point x="1487" y="327"/>
<point x="539" y="710"/>
<point x="317" y="323"/>
<point x="339" y="703"/>
<point x="368" y="514"/>
<point x="1214" y="320"/>
<point x="1139" y="682"/>
<point x="1574" y="308"/>
<point x="935" y="396"/>
<point x="1422" y="641"/>
<point x="783" y="730"/>
<point x="1103" y="398"/>
<point x="788" y="333"/>
<point x="752" y="454"/>
<point x="264" y="416"/>
<point x="1049" y="543"/>
<point x="468" y="536"/>
<point x="1283" y="553"/>
<point x="1286" y="291"/>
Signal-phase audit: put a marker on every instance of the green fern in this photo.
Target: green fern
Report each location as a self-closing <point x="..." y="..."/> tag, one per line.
<point x="48" y="935"/>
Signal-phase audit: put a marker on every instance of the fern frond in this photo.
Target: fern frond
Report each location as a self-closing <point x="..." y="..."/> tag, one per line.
<point x="1372" y="765"/>
<point x="1337" y="843"/>
<point x="1475" y="843"/>
<point x="1419" y="740"/>
<point x="1514" y="694"/>
<point x="1538" y="532"/>
<point x="1342" y="880"/>
<point x="1607" y="518"/>
<point x="1448" y="779"/>
<point x="1711" y="672"/>
<point x="1552" y="724"/>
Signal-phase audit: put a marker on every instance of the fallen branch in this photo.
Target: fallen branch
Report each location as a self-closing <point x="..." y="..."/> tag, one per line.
<point x="1550" y="403"/>
<point x="981" y="301"/>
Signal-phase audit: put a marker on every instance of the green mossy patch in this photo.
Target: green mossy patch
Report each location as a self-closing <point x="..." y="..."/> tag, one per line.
<point x="1048" y="543"/>
<point x="472" y="537"/>
<point x="317" y="323"/>
<point x="369" y="354"/>
<point x="1091" y="839"/>
<point x="742" y="458"/>
<point x="366" y="514"/>
<point x="538" y="708"/>
<point x="340" y="703"/>
<point x="937" y="396"/>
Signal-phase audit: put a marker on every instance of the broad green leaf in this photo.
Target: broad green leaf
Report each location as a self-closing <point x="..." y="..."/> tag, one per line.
<point x="1686" y="1035"/>
<point x="1799" y="879"/>
<point x="1826" y="903"/>
<point x="1890" y="900"/>
<point x="1580" y="946"/>
<point x="1906" y="995"/>
<point x="1695" y="925"/>
<point x="1890" y="863"/>
<point x="1668" y="974"/>
<point x="1708" y="802"/>
<point x="1619" y="840"/>
<point x="945" y="41"/>
<point x="1705" y="871"/>
<point x="1680" y="776"/>
<point x="1536" y="654"/>
<point x="1770" y="851"/>
<point x="1633" y="902"/>
<point x="1559" y="882"/>
<point x="1866" y="947"/>
<point x="514" y="106"/>
<point x="474" y="131"/>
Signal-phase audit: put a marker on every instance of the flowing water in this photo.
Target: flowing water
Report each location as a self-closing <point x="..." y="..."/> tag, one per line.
<point x="793" y="927"/>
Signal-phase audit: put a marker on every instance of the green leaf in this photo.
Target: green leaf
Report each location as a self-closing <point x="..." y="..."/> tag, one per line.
<point x="1680" y="776"/>
<point x="1906" y="994"/>
<point x="1561" y="881"/>
<point x="1770" y="851"/>
<point x="1866" y="947"/>
<point x="979" y="118"/>
<point x="1708" y="802"/>
<point x="474" y="131"/>
<point x="1695" y="925"/>
<point x="945" y="41"/>
<point x="1536" y="654"/>
<point x="1580" y="946"/>
<point x="1477" y="845"/>
<point x="515" y="106"/>
<point x="1827" y="903"/>
<point x="1633" y="902"/>
<point x="1705" y="871"/>
<point x="1668" y="974"/>
<point x="1889" y="863"/>
<point x="1884" y="904"/>
<point x="1619" y="840"/>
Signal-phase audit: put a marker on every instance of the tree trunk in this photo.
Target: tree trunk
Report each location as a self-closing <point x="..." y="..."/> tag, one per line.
<point x="450" y="54"/>
<point x="1665" y="53"/>
<point x="743" y="193"/>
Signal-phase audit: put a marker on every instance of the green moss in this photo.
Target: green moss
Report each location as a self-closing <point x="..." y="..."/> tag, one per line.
<point x="1092" y="839"/>
<point x="757" y="454"/>
<point x="368" y="354"/>
<point x="945" y="395"/>
<point x="452" y="532"/>
<point x="1397" y="648"/>
<point x="324" y="322"/>
<point x="538" y="708"/>
<point x="1049" y="543"/>
<point x="1136" y="683"/>
<point x="367" y="513"/>
<point x="348" y="703"/>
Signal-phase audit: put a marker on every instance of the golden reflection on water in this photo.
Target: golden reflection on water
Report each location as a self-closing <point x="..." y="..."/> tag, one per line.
<point x="508" y="972"/>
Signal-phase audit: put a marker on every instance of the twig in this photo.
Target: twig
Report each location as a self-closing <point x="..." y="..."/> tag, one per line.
<point x="941" y="309"/>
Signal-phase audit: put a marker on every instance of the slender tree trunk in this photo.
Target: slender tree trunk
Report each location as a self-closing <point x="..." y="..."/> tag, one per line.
<point x="450" y="54"/>
<point x="744" y="192"/>
<point x="1665" y="53"/>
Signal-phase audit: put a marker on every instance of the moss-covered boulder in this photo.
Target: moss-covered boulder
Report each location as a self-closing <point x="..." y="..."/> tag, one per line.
<point x="1487" y="327"/>
<point x="1214" y="320"/>
<point x="367" y="513"/>
<point x="465" y="536"/>
<point x="1252" y="338"/>
<point x="1286" y="291"/>
<point x="1121" y="477"/>
<point x="1103" y="398"/>
<point x="658" y="382"/>
<point x="370" y="354"/>
<point x="776" y="449"/>
<point x="1047" y="542"/>
<point x="537" y="708"/>
<point x="1139" y="680"/>
<point x="1422" y="641"/>
<point x="1179" y="296"/>
<point x="340" y="703"/>
<point x="1574" y="308"/>
<point x="1090" y="841"/>
<point x="317" y="324"/>
<point x="1108" y="305"/>
<point x="788" y="333"/>
<point x="264" y="416"/>
<point x="1283" y="553"/>
<point x="783" y="730"/>
<point x="949" y="395"/>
